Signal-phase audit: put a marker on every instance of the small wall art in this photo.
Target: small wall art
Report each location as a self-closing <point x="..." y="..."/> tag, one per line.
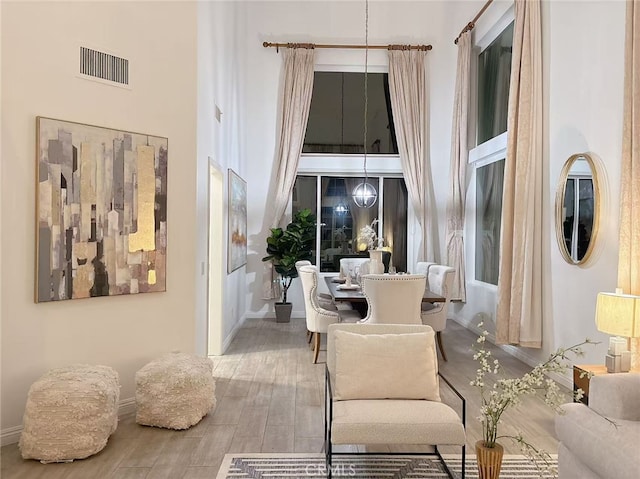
<point x="101" y="211"/>
<point x="237" y="249"/>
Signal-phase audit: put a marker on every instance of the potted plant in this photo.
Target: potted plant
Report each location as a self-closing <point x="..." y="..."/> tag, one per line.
<point x="285" y="248"/>
<point x="506" y="393"/>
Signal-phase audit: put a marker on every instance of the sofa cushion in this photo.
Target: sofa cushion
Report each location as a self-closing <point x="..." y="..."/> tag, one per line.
<point x="607" y="447"/>
<point x="571" y="466"/>
<point x="385" y="366"/>
<point x="616" y="395"/>
<point x="395" y="421"/>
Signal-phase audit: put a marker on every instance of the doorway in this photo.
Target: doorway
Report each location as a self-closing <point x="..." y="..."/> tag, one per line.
<point x="216" y="263"/>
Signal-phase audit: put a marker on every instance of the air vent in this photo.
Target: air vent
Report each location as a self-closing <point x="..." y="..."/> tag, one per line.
<point x="104" y="66"/>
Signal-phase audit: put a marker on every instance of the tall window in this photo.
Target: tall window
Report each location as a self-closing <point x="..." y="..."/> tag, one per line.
<point x="326" y="179"/>
<point x="489" y="180"/>
<point x="340" y="221"/>
<point x="336" y="116"/>
<point x="494" y="70"/>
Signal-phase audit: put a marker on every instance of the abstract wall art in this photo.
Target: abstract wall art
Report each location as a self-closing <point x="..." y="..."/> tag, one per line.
<point x="101" y="211"/>
<point x="237" y="249"/>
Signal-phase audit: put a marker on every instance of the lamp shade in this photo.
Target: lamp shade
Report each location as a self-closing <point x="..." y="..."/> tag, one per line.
<point x="618" y="314"/>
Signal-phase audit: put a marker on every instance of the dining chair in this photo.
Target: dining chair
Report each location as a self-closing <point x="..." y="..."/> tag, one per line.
<point x="435" y="314"/>
<point x="348" y="265"/>
<point x="422" y="267"/>
<point x="364" y="267"/>
<point x="325" y="299"/>
<point x="318" y="318"/>
<point x="392" y="397"/>
<point x="393" y="299"/>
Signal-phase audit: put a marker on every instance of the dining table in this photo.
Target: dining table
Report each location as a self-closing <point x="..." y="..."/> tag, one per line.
<point x="358" y="300"/>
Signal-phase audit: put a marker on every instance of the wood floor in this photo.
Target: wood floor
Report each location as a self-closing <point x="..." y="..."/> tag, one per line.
<point x="270" y="400"/>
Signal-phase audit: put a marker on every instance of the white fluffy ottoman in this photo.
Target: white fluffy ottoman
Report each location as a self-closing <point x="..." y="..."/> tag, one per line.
<point x="70" y="413"/>
<point x="174" y="391"/>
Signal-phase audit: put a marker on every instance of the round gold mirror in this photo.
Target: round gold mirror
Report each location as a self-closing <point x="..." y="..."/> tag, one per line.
<point x="577" y="207"/>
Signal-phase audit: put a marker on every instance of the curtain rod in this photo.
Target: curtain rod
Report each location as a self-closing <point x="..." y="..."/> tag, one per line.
<point x="370" y="47"/>
<point x="472" y="23"/>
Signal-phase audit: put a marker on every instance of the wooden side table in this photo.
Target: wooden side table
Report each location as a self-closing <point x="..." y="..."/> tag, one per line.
<point x="583" y="382"/>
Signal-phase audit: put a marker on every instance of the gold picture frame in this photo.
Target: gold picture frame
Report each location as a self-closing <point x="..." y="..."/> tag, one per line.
<point x="101" y="211"/>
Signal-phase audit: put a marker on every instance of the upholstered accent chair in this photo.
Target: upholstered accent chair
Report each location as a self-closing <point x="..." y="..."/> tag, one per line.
<point x="390" y="398"/>
<point x="393" y="298"/>
<point x="435" y="315"/>
<point x="600" y="441"/>
<point x="318" y="318"/>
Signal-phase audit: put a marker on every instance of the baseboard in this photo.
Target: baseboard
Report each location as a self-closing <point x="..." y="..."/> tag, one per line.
<point x="126" y="407"/>
<point x="251" y="315"/>
<point x="517" y="353"/>
<point x="232" y="334"/>
<point x="271" y="315"/>
<point x="11" y="435"/>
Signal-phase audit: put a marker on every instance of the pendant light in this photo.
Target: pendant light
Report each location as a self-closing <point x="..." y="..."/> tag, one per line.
<point x="341" y="209"/>
<point x="365" y="195"/>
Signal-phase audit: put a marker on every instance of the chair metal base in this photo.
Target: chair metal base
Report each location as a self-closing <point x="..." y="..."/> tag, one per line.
<point x="330" y="454"/>
<point x="440" y="346"/>
<point x="328" y="418"/>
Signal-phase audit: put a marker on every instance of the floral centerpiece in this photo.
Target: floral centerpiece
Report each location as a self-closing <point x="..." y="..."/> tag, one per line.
<point x="506" y="393"/>
<point x="369" y="235"/>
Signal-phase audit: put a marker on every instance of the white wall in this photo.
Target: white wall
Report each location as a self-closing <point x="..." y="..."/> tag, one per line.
<point x="221" y="65"/>
<point x="583" y="48"/>
<point x="335" y="22"/>
<point x="40" y="44"/>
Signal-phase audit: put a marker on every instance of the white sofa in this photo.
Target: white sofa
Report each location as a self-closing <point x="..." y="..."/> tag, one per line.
<point x="602" y="440"/>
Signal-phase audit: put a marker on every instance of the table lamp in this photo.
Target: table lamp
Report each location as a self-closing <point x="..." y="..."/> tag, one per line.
<point x="618" y="314"/>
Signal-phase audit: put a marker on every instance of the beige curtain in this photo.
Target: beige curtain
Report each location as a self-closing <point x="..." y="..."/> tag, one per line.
<point x="629" y="256"/>
<point x="408" y="92"/>
<point x="519" y="312"/>
<point x="459" y="158"/>
<point x="296" y="100"/>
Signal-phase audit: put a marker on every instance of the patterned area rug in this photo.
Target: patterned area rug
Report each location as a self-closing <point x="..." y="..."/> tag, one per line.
<point x="276" y="466"/>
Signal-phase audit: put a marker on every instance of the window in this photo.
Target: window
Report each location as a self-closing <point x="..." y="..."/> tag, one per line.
<point x="336" y="116"/>
<point x="489" y="180"/>
<point x="340" y="221"/>
<point x="493" y="78"/>
<point x="494" y="71"/>
<point x="325" y="180"/>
